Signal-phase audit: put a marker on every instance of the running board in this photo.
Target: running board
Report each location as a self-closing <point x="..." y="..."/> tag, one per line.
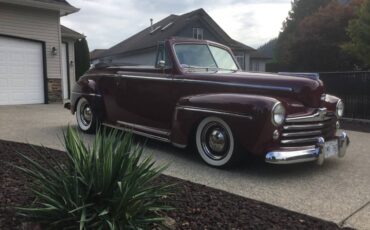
<point x="167" y="140"/>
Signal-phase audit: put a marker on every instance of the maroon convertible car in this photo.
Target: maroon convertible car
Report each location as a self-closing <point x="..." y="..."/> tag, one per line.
<point x="196" y="93"/>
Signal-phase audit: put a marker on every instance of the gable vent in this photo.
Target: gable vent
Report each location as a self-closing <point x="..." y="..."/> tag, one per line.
<point x="166" y="26"/>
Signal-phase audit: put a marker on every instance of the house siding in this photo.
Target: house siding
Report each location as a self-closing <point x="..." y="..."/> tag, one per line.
<point x="187" y="32"/>
<point x="41" y="25"/>
<point x="258" y="65"/>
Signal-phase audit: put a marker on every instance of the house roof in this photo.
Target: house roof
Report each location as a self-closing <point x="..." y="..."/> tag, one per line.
<point x="168" y="27"/>
<point x="96" y="53"/>
<point x="69" y="33"/>
<point x="58" y="5"/>
<point x="61" y="2"/>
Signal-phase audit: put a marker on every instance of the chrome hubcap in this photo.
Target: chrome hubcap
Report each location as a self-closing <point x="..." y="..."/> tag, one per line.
<point x="86" y="114"/>
<point x="215" y="141"/>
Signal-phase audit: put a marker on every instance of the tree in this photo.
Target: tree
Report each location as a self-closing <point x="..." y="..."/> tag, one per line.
<point x="268" y="48"/>
<point x="359" y="33"/>
<point x="82" y="57"/>
<point x="300" y="10"/>
<point x="319" y="39"/>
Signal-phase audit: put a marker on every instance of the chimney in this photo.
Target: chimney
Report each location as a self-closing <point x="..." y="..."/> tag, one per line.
<point x="151" y="24"/>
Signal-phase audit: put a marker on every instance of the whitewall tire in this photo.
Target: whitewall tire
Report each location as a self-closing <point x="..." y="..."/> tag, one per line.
<point x="215" y="142"/>
<point x="85" y="116"/>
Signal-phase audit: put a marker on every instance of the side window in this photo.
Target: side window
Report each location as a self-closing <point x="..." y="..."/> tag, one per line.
<point x="162" y="55"/>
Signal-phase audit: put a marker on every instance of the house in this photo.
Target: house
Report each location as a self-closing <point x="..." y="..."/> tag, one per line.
<point x="140" y="49"/>
<point x="36" y="52"/>
<point x="258" y="61"/>
<point x="94" y="56"/>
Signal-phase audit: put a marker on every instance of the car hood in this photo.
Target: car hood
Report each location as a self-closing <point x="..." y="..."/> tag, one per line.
<point x="288" y="89"/>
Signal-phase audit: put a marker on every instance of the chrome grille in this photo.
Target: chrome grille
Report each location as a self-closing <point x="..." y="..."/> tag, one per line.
<point x="306" y="130"/>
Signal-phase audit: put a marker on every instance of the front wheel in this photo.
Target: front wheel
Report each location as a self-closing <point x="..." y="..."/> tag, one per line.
<point x="215" y="143"/>
<point x="86" y="119"/>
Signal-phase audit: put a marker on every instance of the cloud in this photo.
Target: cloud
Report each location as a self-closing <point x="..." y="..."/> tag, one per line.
<point x="107" y="22"/>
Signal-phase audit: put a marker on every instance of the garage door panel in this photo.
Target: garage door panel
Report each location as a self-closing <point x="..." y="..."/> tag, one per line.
<point x="21" y="72"/>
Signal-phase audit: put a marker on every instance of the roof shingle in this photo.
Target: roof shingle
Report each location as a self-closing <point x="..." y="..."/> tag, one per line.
<point x="145" y="39"/>
<point x="67" y="32"/>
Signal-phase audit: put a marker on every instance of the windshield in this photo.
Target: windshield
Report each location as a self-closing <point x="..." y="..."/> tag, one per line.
<point x="199" y="56"/>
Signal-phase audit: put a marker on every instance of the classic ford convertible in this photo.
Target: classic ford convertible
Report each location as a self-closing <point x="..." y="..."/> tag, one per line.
<point x="196" y="93"/>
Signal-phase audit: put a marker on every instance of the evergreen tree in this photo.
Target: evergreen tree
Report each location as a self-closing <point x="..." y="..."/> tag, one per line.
<point x="300" y="10"/>
<point x="319" y="39"/>
<point x="359" y="32"/>
<point x="82" y="57"/>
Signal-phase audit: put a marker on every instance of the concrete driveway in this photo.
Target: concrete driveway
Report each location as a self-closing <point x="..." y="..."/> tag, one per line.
<point x="338" y="191"/>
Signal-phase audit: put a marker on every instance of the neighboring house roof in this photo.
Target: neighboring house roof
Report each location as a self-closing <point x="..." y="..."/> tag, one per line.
<point x="258" y="55"/>
<point x="59" y="5"/>
<point x="168" y="27"/>
<point x="96" y="53"/>
<point x="69" y="33"/>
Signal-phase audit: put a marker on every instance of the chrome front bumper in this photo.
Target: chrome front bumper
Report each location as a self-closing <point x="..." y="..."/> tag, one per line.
<point x="313" y="153"/>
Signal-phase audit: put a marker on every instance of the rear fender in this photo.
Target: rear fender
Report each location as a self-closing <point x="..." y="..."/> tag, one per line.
<point x="86" y="88"/>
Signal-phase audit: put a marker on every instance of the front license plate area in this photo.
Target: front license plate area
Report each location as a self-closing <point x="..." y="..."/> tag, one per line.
<point x="331" y="148"/>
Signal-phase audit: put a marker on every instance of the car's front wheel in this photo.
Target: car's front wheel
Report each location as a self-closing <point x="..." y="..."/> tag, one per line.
<point x="86" y="119"/>
<point x="215" y="143"/>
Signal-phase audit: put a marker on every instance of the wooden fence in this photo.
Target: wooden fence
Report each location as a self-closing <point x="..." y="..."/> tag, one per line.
<point x="353" y="88"/>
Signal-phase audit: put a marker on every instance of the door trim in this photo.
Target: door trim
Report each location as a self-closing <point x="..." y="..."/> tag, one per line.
<point x="68" y="71"/>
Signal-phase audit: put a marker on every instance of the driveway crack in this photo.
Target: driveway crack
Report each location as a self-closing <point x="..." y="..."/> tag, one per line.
<point x="343" y="222"/>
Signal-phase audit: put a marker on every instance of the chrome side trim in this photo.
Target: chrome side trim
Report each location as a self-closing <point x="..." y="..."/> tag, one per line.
<point x="144" y="128"/>
<point x="87" y="94"/>
<point x="251" y="86"/>
<point x="213" y="111"/>
<point x="179" y="145"/>
<point x="101" y="75"/>
<point x="299" y="141"/>
<point x="138" y="133"/>
<point x="145" y="77"/>
<point x="302" y="134"/>
<point x="303" y="127"/>
<point x="320" y="115"/>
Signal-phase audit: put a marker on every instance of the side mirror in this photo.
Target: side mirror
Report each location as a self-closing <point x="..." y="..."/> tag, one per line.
<point x="161" y="64"/>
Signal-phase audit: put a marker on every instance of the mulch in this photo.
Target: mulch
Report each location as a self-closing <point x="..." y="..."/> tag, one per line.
<point x="196" y="206"/>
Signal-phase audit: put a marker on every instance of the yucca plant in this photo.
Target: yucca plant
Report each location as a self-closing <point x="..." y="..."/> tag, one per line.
<point x="107" y="185"/>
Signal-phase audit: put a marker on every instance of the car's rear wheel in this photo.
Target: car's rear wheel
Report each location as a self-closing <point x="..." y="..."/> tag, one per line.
<point x="215" y="143"/>
<point x="86" y="119"/>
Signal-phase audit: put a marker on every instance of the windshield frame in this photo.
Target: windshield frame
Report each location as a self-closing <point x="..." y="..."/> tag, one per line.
<point x="208" y="44"/>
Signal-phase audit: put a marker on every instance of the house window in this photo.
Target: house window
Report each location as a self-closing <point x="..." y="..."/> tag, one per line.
<point x="198" y="33"/>
<point x="240" y="60"/>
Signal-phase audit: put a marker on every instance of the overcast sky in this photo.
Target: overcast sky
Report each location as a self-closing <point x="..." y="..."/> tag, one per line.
<point x="107" y="22"/>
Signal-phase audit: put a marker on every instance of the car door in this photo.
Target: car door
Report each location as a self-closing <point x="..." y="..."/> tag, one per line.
<point x="144" y="97"/>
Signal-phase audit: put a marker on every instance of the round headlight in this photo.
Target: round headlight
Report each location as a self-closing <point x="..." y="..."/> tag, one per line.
<point x="278" y="114"/>
<point x="340" y="108"/>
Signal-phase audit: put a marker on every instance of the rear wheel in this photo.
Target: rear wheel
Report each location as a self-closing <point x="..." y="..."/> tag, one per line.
<point x="86" y="119"/>
<point x="215" y="142"/>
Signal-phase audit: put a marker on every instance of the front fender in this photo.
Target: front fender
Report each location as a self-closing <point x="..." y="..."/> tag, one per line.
<point x="249" y="117"/>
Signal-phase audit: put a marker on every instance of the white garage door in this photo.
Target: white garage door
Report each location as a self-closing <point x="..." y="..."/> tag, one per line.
<point x="21" y="72"/>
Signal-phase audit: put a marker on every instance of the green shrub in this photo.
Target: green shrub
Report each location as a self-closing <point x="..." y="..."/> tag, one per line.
<point x="105" y="186"/>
